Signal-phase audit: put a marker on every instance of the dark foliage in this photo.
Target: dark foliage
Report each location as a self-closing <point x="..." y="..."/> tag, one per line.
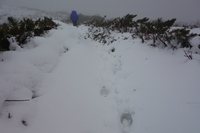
<point x="21" y="31"/>
<point x="159" y="31"/>
<point x="182" y="36"/>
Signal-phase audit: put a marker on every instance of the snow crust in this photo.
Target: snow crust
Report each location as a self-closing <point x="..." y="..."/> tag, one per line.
<point x="78" y="85"/>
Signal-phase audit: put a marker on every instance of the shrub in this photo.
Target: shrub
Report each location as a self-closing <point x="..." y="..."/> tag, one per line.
<point x="183" y="36"/>
<point x="159" y="31"/>
<point x="23" y="30"/>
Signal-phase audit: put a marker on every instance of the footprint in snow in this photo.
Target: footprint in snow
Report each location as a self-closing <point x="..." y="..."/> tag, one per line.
<point x="104" y="92"/>
<point x="126" y="122"/>
<point x="126" y="119"/>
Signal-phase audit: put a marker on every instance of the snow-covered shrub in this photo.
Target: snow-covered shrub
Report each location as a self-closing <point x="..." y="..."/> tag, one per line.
<point x="21" y="31"/>
<point x="183" y="37"/>
<point x="159" y="31"/>
<point x="100" y="30"/>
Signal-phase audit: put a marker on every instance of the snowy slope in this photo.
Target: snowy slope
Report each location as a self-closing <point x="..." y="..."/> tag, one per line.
<point x="82" y="86"/>
<point x="23" y="12"/>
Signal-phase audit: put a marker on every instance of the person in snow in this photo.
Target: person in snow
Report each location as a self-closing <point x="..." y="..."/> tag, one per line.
<point x="74" y="18"/>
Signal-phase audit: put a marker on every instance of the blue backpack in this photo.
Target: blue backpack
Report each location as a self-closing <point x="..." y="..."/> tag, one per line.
<point x="74" y="16"/>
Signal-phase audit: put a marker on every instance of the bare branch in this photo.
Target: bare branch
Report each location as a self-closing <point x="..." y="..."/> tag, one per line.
<point x="189" y="56"/>
<point x="17" y="100"/>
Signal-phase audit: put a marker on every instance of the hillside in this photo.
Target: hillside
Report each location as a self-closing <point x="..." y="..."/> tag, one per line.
<point x="23" y="12"/>
<point x="64" y="82"/>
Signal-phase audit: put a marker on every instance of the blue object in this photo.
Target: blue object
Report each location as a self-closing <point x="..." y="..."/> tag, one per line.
<point x="74" y="16"/>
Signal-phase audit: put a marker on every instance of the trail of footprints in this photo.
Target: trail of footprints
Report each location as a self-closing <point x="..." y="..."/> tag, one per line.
<point x="112" y="66"/>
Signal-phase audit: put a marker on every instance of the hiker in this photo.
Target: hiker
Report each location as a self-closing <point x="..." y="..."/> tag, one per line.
<point x="74" y="18"/>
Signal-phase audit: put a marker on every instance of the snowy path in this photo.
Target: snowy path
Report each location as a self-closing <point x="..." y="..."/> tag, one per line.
<point x="73" y="102"/>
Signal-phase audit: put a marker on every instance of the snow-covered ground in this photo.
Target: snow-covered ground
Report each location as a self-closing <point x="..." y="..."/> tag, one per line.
<point x="24" y="12"/>
<point x="81" y="86"/>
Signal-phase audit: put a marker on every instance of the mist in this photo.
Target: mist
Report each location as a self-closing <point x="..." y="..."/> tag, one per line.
<point x="182" y="10"/>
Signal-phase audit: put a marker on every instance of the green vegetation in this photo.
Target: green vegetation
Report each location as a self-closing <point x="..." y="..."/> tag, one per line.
<point x="158" y="31"/>
<point x="21" y="31"/>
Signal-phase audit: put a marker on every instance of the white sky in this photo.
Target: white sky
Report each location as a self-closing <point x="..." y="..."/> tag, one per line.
<point x="183" y="10"/>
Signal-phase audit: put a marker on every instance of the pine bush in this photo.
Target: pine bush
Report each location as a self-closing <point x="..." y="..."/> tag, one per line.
<point x="159" y="31"/>
<point x="23" y="30"/>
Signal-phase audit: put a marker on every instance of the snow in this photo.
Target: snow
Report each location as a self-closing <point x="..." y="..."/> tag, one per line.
<point x="77" y="85"/>
<point x="20" y="13"/>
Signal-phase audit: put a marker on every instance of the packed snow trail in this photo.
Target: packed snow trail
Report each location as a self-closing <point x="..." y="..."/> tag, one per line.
<point x="72" y="102"/>
<point x="69" y="104"/>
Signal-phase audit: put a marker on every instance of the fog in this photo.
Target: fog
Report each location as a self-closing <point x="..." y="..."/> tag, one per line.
<point x="183" y="10"/>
